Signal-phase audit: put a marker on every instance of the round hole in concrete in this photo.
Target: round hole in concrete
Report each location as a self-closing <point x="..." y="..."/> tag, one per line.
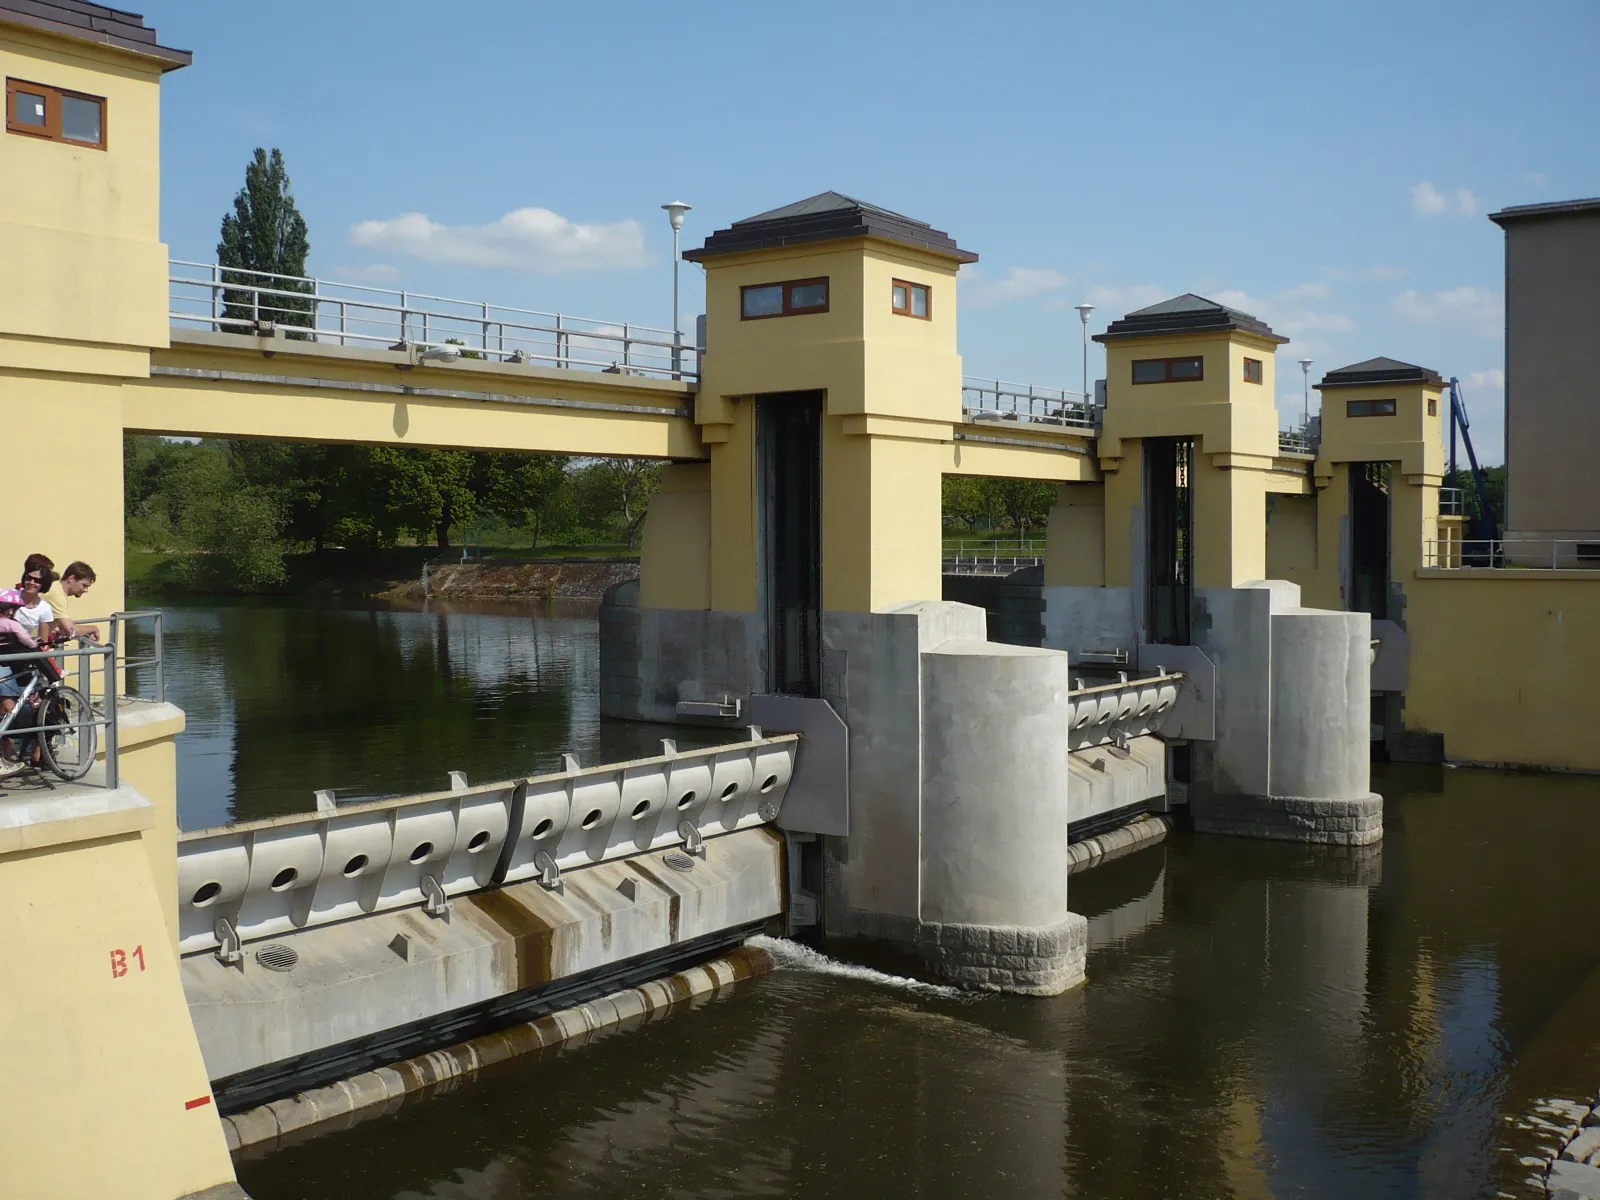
<point x="767" y="784"/>
<point x="284" y="878"/>
<point x="641" y="809"/>
<point x="205" y="894"/>
<point x="355" y="866"/>
<point x="727" y="792"/>
<point x="542" y="829"/>
<point x="423" y="850"/>
<point x="686" y="799"/>
<point x="478" y="842"/>
<point x="592" y="819"/>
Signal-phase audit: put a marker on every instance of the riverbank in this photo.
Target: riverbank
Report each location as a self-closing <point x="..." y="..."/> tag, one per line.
<point x="397" y="575"/>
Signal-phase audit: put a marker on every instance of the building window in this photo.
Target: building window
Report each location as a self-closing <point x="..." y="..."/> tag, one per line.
<point x="1168" y="370"/>
<point x="1433" y="406"/>
<point x="1252" y="370"/>
<point x="913" y="300"/>
<point x="38" y="110"/>
<point x="1369" y="408"/>
<point x="796" y="297"/>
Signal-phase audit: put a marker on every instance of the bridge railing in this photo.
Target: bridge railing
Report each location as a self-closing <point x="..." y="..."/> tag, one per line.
<point x="997" y="400"/>
<point x="988" y="564"/>
<point x="119" y="627"/>
<point x="1451" y="502"/>
<point x="240" y="882"/>
<point x="1300" y="440"/>
<point x="232" y="300"/>
<point x="1514" y="554"/>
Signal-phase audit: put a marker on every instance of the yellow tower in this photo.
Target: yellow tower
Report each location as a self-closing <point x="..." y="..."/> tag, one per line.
<point x="1194" y="380"/>
<point x="855" y="305"/>
<point x="1379" y="466"/>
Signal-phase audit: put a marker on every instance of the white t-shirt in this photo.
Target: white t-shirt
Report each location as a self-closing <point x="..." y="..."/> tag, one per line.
<point x="31" y="618"/>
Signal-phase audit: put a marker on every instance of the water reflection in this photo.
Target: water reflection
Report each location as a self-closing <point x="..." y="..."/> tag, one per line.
<point x="368" y="702"/>
<point x="1260" y="1020"/>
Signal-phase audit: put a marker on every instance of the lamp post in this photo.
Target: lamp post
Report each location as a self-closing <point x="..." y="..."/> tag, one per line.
<point x="1305" y="403"/>
<point x="1083" y="315"/>
<point x="675" y="212"/>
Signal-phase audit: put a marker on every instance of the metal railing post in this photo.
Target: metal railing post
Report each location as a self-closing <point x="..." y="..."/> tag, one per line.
<point x="161" y="661"/>
<point x="112" y="766"/>
<point x="486" y="329"/>
<point x="216" y="297"/>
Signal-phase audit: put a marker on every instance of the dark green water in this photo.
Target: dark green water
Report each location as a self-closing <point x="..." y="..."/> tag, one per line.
<point x="1260" y="1020"/>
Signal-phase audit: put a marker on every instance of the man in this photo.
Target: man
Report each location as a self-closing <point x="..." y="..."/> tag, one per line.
<point x="76" y="581"/>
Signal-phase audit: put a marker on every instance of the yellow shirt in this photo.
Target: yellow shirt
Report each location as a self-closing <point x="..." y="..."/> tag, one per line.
<point x="58" y="600"/>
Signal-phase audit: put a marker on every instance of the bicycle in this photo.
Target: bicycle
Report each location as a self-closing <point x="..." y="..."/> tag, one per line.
<point x="53" y="716"/>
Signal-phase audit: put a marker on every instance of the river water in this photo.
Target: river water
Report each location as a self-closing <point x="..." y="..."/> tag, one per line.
<point x="1260" y="1019"/>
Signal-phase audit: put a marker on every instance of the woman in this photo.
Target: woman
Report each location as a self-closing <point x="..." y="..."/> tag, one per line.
<point x="35" y="614"/>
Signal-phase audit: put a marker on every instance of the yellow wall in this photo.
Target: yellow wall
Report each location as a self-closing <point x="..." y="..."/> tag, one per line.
<point x="675" y="549"/>
<point x="100" y="1065"/>
<point x="98" y="210"/>
<point x="1075" y="538"/>
<point x="1292" y="541"/>
<point x="147" y="760"/>
<point x="893" y="390"/>
<point x="1504" y="663"/>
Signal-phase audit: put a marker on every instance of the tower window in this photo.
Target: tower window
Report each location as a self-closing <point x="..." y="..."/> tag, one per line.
<point x="1369" y="408"/>
<point x="38" y="110"/>
<point x="1252" y="370"/>
<point x="1168" y="370"/>
<point x="793" y="298"/>
<point x="913" y="300"/>
<point x="1433" y="406"/>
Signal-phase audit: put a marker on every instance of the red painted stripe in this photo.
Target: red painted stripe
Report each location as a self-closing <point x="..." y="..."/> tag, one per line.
<point x="199" y="1102"/>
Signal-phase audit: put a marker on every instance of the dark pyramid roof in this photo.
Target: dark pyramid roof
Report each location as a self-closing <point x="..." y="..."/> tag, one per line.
<point x="826" y="217"/>
<point x="93" y="23"/>
<point x="1378" y="371"/>
<point x="1187" y="313"/>
<point x="1560" y="208"/>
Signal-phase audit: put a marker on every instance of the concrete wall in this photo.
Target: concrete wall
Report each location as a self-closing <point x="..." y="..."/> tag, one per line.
<point x="1089" y="620"/>
<point x="109" y="1095"/>
<point x="1552" y="398"/>
<point x="1504" y="665"/>
<point x="651" y="658"/>
<point x="147" y="759"/>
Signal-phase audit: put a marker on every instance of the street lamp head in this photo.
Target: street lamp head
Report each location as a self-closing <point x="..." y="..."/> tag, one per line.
<point x="675" y="212"/>
<point x="1083" y="312"/>
<point x="1305" y="364"/>
<point x="444" y="353"/>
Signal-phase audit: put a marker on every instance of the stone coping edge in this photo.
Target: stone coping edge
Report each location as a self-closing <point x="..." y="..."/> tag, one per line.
<point x="378" y="1092"/>
<point x="1125" y="839"/>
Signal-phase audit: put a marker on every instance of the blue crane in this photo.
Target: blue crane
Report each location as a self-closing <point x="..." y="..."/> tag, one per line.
<point x="1482" y="524"/>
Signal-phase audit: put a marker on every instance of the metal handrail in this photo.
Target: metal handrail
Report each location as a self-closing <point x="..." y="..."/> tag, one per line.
<point x="108" y="719"/>
<point x="119" y="621"/>
<point x="233" y="299"/>
<point x="1452" y="503"/>
<point x="997" y="400"/>
<point x="1514" y="554"/>
<point x="1023" y="546"/>
<point x="1299" y="440"/>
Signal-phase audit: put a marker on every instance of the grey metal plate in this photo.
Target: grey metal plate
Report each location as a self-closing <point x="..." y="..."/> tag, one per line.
<point x="818" y="799"/>
<point x="1194" y="716"/>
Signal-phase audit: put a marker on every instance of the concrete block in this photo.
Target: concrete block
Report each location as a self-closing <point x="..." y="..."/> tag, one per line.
<point x="1580" y="1148"/>
<point x="1573" y="1181"/>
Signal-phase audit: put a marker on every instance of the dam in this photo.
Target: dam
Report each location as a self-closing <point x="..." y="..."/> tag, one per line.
<point x="838" y="773"/>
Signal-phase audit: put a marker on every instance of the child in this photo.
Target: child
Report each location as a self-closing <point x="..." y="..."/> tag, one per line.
<point x="14" y="639"/>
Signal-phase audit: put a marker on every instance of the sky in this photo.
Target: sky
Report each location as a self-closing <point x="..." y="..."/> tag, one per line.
<point x="1326" y="167"/>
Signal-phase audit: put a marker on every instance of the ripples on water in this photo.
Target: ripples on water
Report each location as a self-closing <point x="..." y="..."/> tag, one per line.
<point x="1260" y="1020"/>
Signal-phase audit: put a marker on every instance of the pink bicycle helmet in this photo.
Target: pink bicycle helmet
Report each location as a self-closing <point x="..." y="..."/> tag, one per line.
<point x="10" y="596"/>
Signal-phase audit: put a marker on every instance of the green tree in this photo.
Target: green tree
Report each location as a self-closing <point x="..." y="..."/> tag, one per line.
<point x="528" y="491"/>
<point x="1025" y="502"/>
<point x="612" y="495"/>
<point x="265" y="232"/>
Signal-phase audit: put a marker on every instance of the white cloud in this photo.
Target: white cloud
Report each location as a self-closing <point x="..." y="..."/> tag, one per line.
<point x="1475" y="308"/>
<point x="1431" y="202"/>
<point x="1494" y="380"/>
<point x="1018" y="283"/>
<point x="1288" y="314"/>
<point x="526" y="239"/>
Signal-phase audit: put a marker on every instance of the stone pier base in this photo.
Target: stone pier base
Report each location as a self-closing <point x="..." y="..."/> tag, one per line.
<point x="1027" y="960"/>
<point x="1356" y="822"/>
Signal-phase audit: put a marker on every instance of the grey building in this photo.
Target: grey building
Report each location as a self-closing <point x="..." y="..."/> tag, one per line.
<point x="1552" y="389"/>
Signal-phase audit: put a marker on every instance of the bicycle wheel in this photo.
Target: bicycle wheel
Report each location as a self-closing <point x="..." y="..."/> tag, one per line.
<point x="69" y="752"/>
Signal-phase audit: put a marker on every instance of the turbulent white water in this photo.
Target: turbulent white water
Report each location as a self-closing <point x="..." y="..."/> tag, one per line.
<point x="803" y="958"/>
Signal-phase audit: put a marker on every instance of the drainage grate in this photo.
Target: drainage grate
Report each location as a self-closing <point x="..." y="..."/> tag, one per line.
<point x="277" y="958"/>
<point x="678" y="860"/>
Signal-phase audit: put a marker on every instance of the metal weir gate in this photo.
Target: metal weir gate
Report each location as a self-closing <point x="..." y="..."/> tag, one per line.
<point x="257" y="879"/>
